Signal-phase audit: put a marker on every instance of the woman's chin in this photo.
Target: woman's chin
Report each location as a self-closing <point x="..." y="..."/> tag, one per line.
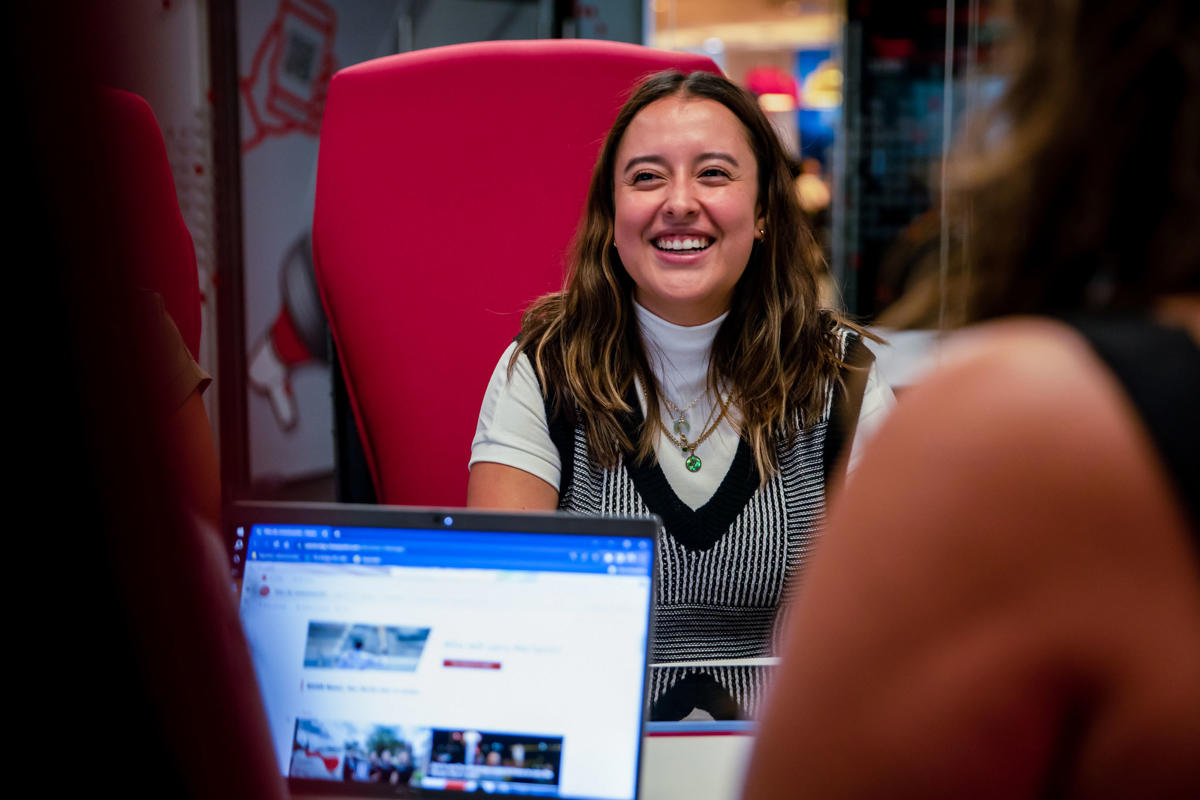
<point x="686" y="308"/>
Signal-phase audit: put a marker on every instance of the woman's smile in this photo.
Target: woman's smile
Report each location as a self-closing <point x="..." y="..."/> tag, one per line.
<point x="674" y="244"/>
<point x="678" y="247"/>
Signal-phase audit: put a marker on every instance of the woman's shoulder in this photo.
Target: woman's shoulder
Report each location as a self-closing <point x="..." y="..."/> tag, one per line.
<point x="1029" y="387"/>
<point x="1071" y="496"/>
<point x="1034" y="372"/>
<point x="1014" y="540"/>
<point x="1023" y="437"/>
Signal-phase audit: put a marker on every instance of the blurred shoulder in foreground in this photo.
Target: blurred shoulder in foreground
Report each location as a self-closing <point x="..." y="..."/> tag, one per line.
<point x="1024" y="614"/>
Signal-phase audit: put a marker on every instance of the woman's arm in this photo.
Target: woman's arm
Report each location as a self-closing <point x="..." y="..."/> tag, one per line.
<point x="494" y="485"/>
<point x="514" y="463"/>
<point x="978" y="585"/>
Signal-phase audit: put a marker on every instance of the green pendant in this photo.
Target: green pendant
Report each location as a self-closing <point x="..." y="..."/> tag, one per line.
<point x="692" y="463"/>
<point x="682" y="428"/>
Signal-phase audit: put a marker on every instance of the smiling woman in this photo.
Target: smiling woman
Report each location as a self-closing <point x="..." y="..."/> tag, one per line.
<point x="686" y="205"/>
<point x="687" y="371"/>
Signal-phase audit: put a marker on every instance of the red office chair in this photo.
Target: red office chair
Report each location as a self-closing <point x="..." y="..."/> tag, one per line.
<point x="449" y="184"/>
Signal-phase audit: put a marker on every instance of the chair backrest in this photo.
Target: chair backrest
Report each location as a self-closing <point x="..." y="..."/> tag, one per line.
<point x="449" y="184"/>
<point x="149" y="223"/>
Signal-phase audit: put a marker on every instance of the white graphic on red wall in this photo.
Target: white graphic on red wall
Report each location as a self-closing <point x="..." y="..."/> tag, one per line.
<point x="298" y="335"/>
<point x="284" y="93"/>
<point x="290" y="72"/>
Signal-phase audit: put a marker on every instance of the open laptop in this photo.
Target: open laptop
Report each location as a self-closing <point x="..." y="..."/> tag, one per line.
<point x="430" y="653"/>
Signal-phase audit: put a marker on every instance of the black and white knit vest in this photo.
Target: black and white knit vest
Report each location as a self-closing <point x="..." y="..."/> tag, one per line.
<point x="725" y="569"/>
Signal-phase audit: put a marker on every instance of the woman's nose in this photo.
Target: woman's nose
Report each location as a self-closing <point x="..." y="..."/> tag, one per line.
<point x="681" y="200"/>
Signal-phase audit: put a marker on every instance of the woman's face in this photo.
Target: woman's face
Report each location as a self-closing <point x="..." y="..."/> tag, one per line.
<point x="686" y="188"/>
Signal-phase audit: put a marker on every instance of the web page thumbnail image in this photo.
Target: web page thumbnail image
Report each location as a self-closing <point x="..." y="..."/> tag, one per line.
<point x="362" y="753"/>
<point x="348" y="645"/>
<point x="509" y="757"/>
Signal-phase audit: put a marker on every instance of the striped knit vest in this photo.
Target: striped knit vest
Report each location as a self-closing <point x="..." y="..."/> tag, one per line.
<point x="726" y="569"/>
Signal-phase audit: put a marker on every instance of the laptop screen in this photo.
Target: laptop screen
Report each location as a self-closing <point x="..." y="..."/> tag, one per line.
<point x="414" y="652"/>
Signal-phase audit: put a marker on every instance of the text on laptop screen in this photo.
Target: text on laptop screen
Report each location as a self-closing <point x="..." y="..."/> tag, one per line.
<point x="501" y="662"/>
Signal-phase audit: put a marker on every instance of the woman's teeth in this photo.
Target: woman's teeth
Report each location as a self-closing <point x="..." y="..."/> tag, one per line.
<point x="690" y="243"/>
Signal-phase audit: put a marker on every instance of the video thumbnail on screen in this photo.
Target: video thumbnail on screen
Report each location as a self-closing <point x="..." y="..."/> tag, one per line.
<point x="362" y="753"/>
<point x="346" y="645"/>
<point x="479" y="755"/>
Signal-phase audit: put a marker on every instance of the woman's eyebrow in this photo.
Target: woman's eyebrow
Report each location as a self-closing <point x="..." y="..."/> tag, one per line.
<point x="639" y="160"/>
<point x="719" y="156"/>
<point x="662" y="162"/>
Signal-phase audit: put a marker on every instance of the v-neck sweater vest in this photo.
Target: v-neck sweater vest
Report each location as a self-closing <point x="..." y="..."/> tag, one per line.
<point x="727" y="568"/>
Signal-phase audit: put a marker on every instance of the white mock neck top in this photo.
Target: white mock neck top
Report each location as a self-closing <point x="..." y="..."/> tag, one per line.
<point x="679" y="357"/>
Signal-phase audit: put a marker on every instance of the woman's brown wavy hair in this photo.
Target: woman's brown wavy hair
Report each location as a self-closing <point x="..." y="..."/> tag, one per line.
<point x="776" y="352"/>
<point x="1083" y="184"/>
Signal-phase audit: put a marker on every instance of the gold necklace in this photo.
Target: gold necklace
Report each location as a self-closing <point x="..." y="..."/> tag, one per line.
<point x="681" y="426"/>
<point x="692" y="461"/>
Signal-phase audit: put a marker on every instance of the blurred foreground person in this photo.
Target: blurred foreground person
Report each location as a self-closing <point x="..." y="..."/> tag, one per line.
<point x="147" y="676"/>
<point x="1007" y="602"/>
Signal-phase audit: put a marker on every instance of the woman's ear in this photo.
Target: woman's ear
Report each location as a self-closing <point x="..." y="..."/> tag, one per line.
<point x="760" y="228"/>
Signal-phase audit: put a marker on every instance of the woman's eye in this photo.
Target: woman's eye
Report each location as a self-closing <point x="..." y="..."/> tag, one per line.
<point x="714" y="172"/>
<point x="642" y="177"/>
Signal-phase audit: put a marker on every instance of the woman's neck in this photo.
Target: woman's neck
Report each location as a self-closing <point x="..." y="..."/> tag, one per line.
<point x="678" y="354"/>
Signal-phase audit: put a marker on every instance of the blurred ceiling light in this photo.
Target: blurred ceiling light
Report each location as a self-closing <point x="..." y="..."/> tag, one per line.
<point x="714" y="46"/>
<point x="814" y="30"/>
<point x="823" y="87"/>
<point x="776" y="102"/>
